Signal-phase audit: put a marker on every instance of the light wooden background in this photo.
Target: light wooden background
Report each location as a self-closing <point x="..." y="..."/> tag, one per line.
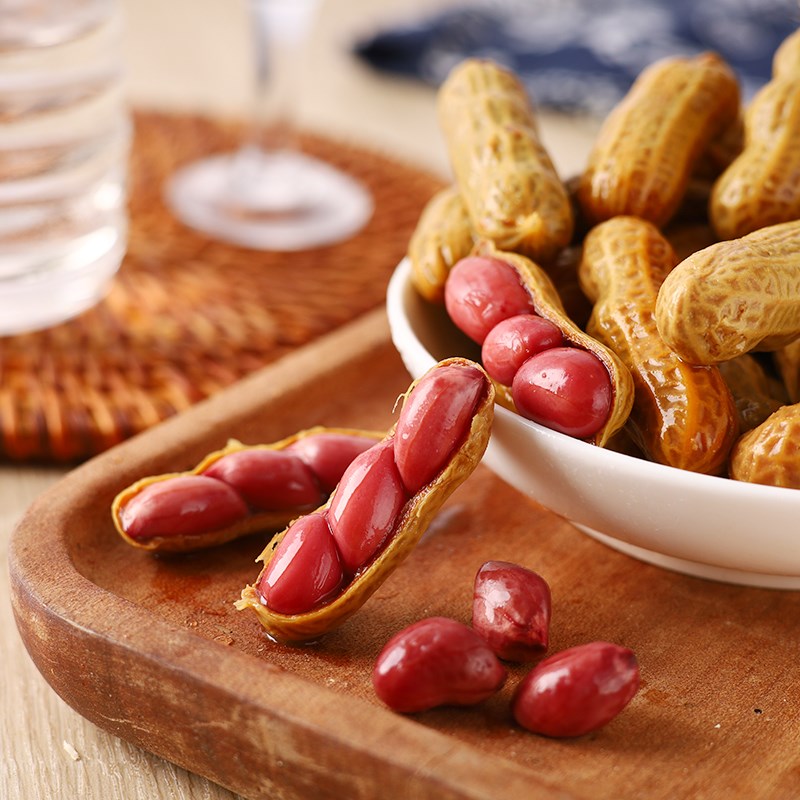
<point x="189" y="55"/>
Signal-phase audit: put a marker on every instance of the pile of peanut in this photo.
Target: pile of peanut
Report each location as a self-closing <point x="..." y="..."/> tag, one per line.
<point x="683" y="236"/>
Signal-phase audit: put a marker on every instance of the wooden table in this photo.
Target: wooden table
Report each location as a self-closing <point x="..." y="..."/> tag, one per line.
<point x="192" y="55"/>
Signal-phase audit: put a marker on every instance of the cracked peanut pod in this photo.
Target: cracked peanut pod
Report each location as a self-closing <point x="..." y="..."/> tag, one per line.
<point x="547" y="303"/>
<point x="180" y="512"/>
<point x="507" y="181"/>
<point x="442" y="237"/>
<point x="760" y="187"/>
<point x="770" y="453"/>
<point x="682" y="415"/>
<point x="409" y="525"/>
<point x="651" y="142"/>
<point x="755" y="395"/>
<point x="734" y="297"/>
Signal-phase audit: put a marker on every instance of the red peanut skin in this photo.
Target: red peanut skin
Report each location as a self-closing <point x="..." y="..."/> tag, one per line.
<point x="366" y="504"/>
<point x="482" y="291"/>
<point x="435" y="419"/>
<point x="329" y="454"/>
<point x="436" y="662"/>
<point x="577" y="690"/>
<point x="182" y="506"/>
<point x="305" y="569"/>
<point x="513" y="341"/>
<point x="511" y="610"/>
<point x="268" y="480"/>
<point x="575" y="397"/>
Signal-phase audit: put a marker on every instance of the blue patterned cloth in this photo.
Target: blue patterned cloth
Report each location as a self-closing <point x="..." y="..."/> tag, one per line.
<point x="583" y="55"/>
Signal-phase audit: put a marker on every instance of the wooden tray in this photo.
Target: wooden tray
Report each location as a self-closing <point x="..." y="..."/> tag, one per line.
<point x="152" y="649"/>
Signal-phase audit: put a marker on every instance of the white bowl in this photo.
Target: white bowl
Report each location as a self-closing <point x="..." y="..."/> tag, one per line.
<point x="700" y="525"/>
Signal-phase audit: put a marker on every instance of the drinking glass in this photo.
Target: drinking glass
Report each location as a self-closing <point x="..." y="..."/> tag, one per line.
<point x="269" y="195"/>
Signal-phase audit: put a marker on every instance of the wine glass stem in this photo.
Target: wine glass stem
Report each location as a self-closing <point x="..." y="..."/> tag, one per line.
<point x="277" y="55"/>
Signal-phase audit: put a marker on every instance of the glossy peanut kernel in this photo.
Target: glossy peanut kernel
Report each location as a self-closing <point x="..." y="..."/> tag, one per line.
<point x="577" y="690"/>
<point x="436" y="662"/>
<point x="186" y="505"/>
<point x="268" y="479"/>
<point x="328" y="454"/>
<point x="511" y="609"/>
<point x="513" y="341"/>
<point x="305" y="569"/>
<point x="566" y="389"/>
<point x="366" y="504"/>
<point x="480" y="292"/>
<point x="434" y="421"/>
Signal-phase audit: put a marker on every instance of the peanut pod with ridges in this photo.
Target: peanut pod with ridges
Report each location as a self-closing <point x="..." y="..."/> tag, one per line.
<point x="650" y="144"/>
<point x="786" y="61"/>
<point x="787" y="363"/>
<point x="507" y="180"/>
<point x="320" y="570"/>
<point x="442" y="236"/>
<point x="734" y="297"/>
<point x="237" y="490"/>
<point x="760" y="187"/>
<point x="492" y="289"/>
<point x="682" y="415"/>
<point x="769" y="454"/>
<point x="756" y="394"/>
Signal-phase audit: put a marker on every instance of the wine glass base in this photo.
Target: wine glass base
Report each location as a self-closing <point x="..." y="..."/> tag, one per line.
<point x="279" y="201"/>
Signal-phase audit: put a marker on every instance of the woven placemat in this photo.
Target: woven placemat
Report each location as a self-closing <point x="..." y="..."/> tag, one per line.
<point x="188" y="316"/>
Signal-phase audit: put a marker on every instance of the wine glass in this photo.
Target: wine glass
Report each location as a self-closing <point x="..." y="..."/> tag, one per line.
<point x="269" y="195"/>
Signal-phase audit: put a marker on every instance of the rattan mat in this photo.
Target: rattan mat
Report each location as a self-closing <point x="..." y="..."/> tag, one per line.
<point x="188" y="316"/>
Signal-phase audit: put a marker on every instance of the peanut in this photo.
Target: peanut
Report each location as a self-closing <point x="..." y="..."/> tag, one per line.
<point x="526" y="288"/>
<point x="649" y="145"/>
<point x="577" y="690"/>
<point x="755" y="394"/>
<point x="511" y="610"/>
<point x="436" y="662"/>
<point x="442" y="237"/>
<point x="236" y="491"/>
<point x="770" y="454"/>
<point x="733" y="297"/>
<point x="682" y="415"/>
<point x="787" y="362"/>
<point x="373" y="498"/>
<point x="786" y="61"/>
<point x="760" y="187"/>
<point x="507" y="181"/>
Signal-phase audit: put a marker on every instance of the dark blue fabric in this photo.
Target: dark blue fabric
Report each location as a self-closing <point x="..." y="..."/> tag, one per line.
<point x="583" y="55"/>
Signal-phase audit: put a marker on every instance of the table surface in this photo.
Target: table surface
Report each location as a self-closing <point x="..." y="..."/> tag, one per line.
<point x="193" y="55"/>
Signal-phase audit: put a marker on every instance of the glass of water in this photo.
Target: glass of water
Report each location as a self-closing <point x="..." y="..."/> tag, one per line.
<point x="269" y="195"/>
<point x="64" y="143"/>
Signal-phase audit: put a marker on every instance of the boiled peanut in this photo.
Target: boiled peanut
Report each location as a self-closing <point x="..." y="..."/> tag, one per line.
<point x="273" y="483"/>
<point x="511" y="342"/>
<point x="577" y="690"/>
<point x="755" y="394"/>
<point x="733" y="297"/>
<point x="480" y="292"/>
<point x="770" y="454"/>
<point x="682" y="415"/>
<point x="358" y="504"/>
<point x="305" y="569"/>
<point x="566" y="389"/>
<point x="760" y="187"/>
<point x="268" y="479"/>
<point x="365" y="505"/>
<point x="443" y="236"/>
<point x="511" y="609"/>
<point x="436" y="662"/>
<point x="649" y="145"/>
<point x="434" y="421"/>
<point x="186" y="506"/>
<point x="507" y="181"/>
<point x="524" y="287"/>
